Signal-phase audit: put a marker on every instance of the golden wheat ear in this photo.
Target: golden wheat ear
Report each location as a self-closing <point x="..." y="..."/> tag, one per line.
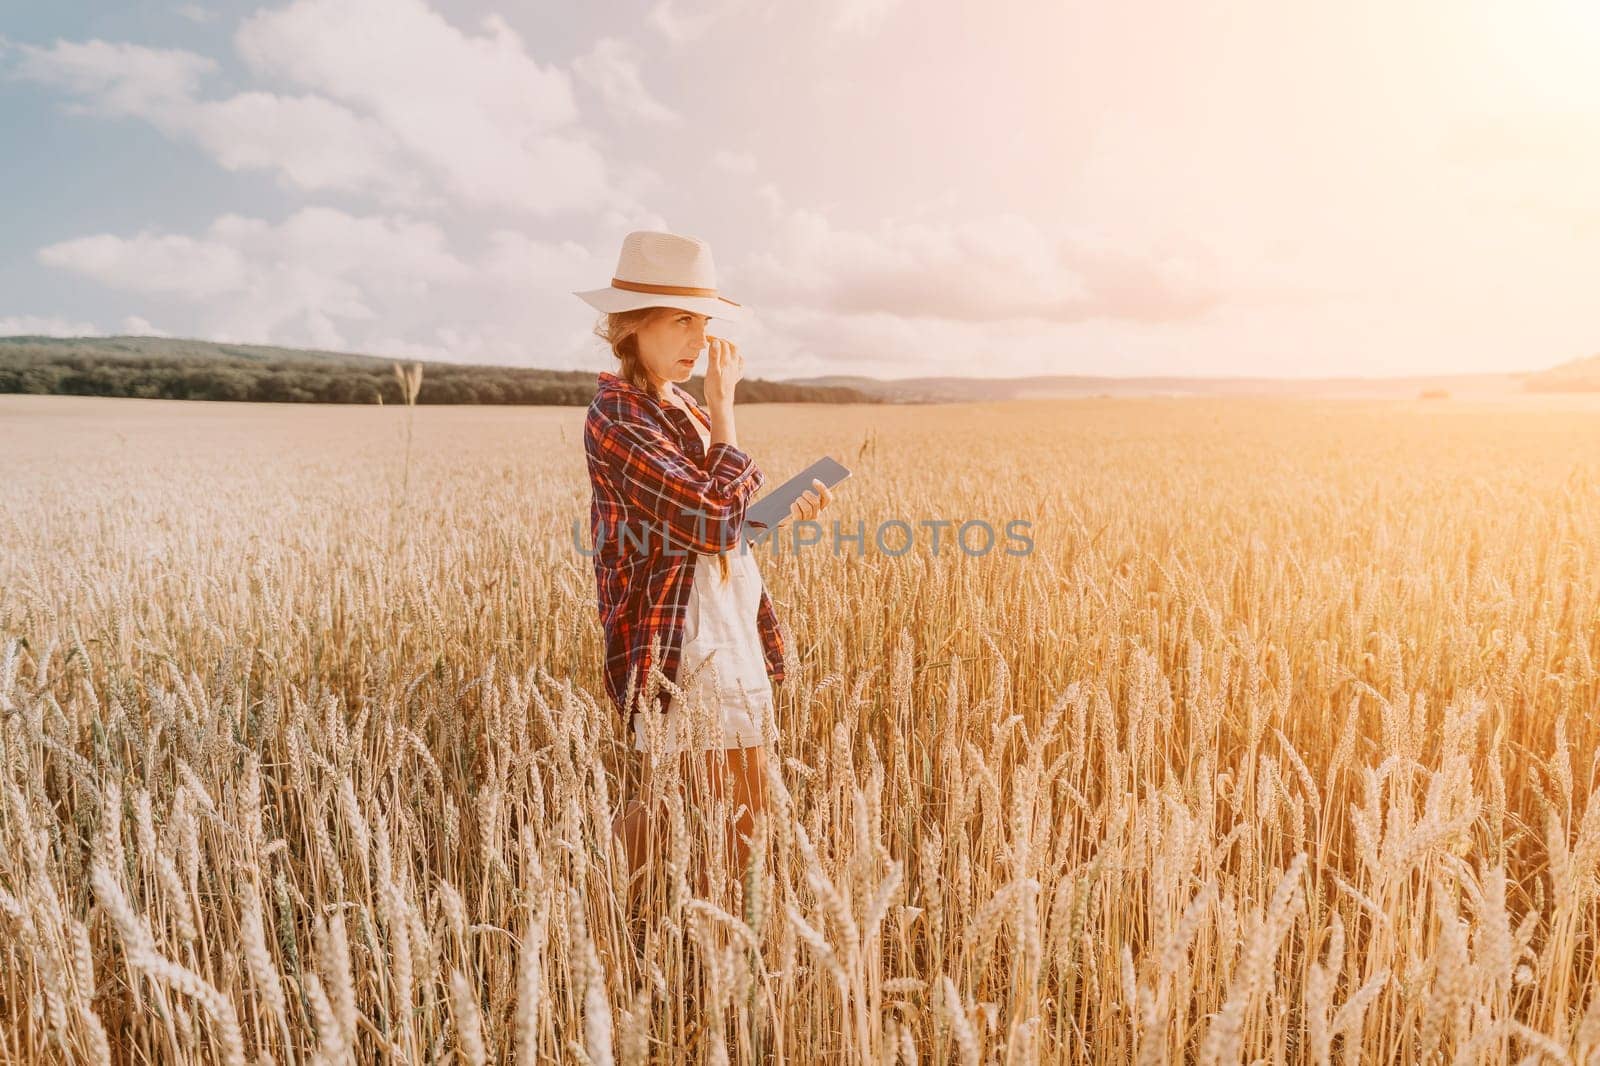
<point x="410" y="380"/>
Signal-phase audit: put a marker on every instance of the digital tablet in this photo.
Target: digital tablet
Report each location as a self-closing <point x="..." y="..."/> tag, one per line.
<point x="763" y="515"/>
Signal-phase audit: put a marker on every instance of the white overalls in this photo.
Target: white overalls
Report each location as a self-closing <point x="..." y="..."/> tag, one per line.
<point x="728" y="700"/>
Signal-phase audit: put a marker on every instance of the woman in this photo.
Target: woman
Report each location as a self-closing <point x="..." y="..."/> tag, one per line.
<point x="691" y="638"/>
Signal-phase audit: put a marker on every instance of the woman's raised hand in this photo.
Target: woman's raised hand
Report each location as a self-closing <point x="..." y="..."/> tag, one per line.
<point x="724" y="368"/>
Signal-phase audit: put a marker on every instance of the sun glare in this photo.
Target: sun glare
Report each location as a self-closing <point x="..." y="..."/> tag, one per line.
<point x="1548" y="48"/>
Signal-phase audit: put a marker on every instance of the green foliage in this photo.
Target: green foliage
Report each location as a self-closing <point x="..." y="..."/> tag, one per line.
<point x="176" y="369"/>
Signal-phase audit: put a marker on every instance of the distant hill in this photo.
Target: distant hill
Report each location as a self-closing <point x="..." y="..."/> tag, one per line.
<point x="960" y="389"/>
<point x="1579" y="375"/>
<point x="175" y="369"/>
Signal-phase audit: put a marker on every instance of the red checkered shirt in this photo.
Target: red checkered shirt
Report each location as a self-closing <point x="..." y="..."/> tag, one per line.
<point x="650" y="472"/>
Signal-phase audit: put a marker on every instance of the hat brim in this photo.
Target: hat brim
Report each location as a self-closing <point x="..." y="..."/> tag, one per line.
<point x="612" y="300"/>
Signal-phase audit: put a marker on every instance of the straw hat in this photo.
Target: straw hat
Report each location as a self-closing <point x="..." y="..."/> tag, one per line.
<point x="664" y="270"/>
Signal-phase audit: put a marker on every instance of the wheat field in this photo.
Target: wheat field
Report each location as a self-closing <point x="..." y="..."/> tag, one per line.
<point x="1279" y="746"/>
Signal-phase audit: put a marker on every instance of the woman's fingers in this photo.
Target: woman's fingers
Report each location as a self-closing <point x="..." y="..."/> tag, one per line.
<point x="724" y="366"/>
<point x="811" y="502"/>
<point x="819" y="499"/>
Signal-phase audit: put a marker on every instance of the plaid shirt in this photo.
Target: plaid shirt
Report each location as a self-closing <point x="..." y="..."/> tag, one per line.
<point x="650" y="474"/>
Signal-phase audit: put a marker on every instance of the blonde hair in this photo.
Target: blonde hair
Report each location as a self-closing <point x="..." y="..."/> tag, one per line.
<point x="620" y="331"/>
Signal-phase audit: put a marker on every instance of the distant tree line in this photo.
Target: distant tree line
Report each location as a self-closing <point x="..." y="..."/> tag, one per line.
<point x="151" y="379"/>
<point x="199" y="371"/>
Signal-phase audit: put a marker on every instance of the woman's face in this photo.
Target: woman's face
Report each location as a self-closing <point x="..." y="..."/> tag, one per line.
<point x="671" y="343"/>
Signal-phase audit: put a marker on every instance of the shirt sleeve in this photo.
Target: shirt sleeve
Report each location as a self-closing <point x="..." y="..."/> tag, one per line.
<point x="699" y="509"/>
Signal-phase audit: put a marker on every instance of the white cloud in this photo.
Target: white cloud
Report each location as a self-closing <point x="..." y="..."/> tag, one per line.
<point x="134" y="326"/>
<point x="322" y="278"/>
<point x="495" y="127"/>
<point x="613" y="224"/>
<point x="518" y="261"/>
<point x="734" y="162"/>
<point x="152" y="263"/>
<point x="389" y="99"/>
<point x="195" y="13"/>
<point x="312" y="142"/>
<point x="772" y="199"/>
<point x="908" y="296"/>
<point x="611" y="69"/>
<point x="120" y="79"/>
<point x="45" y="326"/>
<point x="994" y="268"/>
<point x="682" y="22"/>
<point x="300" y="281"/>
<point x="862" y="16"/>
<point x="685" y="21"/>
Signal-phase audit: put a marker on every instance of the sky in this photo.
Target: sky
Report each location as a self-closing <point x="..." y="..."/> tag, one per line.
<point x="1246" y="187"/>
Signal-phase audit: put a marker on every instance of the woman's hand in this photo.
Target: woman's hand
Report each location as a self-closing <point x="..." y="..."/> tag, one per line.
<point x="809" y="504"/>
<point x="724" y="368"/>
